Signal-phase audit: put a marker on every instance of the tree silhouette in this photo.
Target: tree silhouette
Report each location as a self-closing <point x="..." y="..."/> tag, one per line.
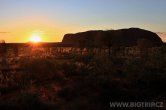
<point x="107" y="41"/>
<point x="110" y="39"/>
<point x="3" y="51"/>
<point x="143" y="45"/>
<point x="15" y="49"/>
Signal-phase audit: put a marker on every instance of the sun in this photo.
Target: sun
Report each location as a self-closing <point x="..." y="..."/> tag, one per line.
<point x="35" y="38"/>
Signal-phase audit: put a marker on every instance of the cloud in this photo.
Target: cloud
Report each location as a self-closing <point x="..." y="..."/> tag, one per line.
<point x="3" y="32"/>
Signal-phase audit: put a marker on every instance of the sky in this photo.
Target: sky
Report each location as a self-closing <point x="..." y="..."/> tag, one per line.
<point x="51" y="19"/>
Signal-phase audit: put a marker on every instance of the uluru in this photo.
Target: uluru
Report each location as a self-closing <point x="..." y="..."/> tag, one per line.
<point x="122" y="37"/>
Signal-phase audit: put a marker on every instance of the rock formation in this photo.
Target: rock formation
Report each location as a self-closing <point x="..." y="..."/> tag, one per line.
<point x="122" y="37"/>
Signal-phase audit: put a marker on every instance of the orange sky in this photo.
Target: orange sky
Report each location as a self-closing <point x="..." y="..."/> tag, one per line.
<point x="49" y="30"/>
<point x="23" y="29"/>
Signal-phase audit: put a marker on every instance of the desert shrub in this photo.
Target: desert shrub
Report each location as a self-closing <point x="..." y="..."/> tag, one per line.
<point x="23" y="101"/>
<point x="69" y="69"/>
<point x="39" y="65"/>
<point x="114" y="79"/>
<point x="91" y="81"/>
<point x="104" y="66"/>
<point x="40" y="69"/>
<point x="84" y="58"/>
<point x="9" y="82"/>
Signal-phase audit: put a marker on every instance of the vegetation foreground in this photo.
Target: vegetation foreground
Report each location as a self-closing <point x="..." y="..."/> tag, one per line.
<point x="83" y="81"/>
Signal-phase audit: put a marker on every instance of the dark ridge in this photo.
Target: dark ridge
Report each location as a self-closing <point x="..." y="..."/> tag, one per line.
<point x="122" y="37"/>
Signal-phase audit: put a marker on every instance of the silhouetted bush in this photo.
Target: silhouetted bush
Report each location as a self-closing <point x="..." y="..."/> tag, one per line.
<point x="24" y="101"/>
<point x="40" y="69"/>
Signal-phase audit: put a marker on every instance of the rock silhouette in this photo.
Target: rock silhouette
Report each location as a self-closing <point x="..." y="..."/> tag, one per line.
<point x="122" y="37"/>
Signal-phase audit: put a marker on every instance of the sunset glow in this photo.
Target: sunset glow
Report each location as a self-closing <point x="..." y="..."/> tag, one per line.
<point x="35" y="38"/>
